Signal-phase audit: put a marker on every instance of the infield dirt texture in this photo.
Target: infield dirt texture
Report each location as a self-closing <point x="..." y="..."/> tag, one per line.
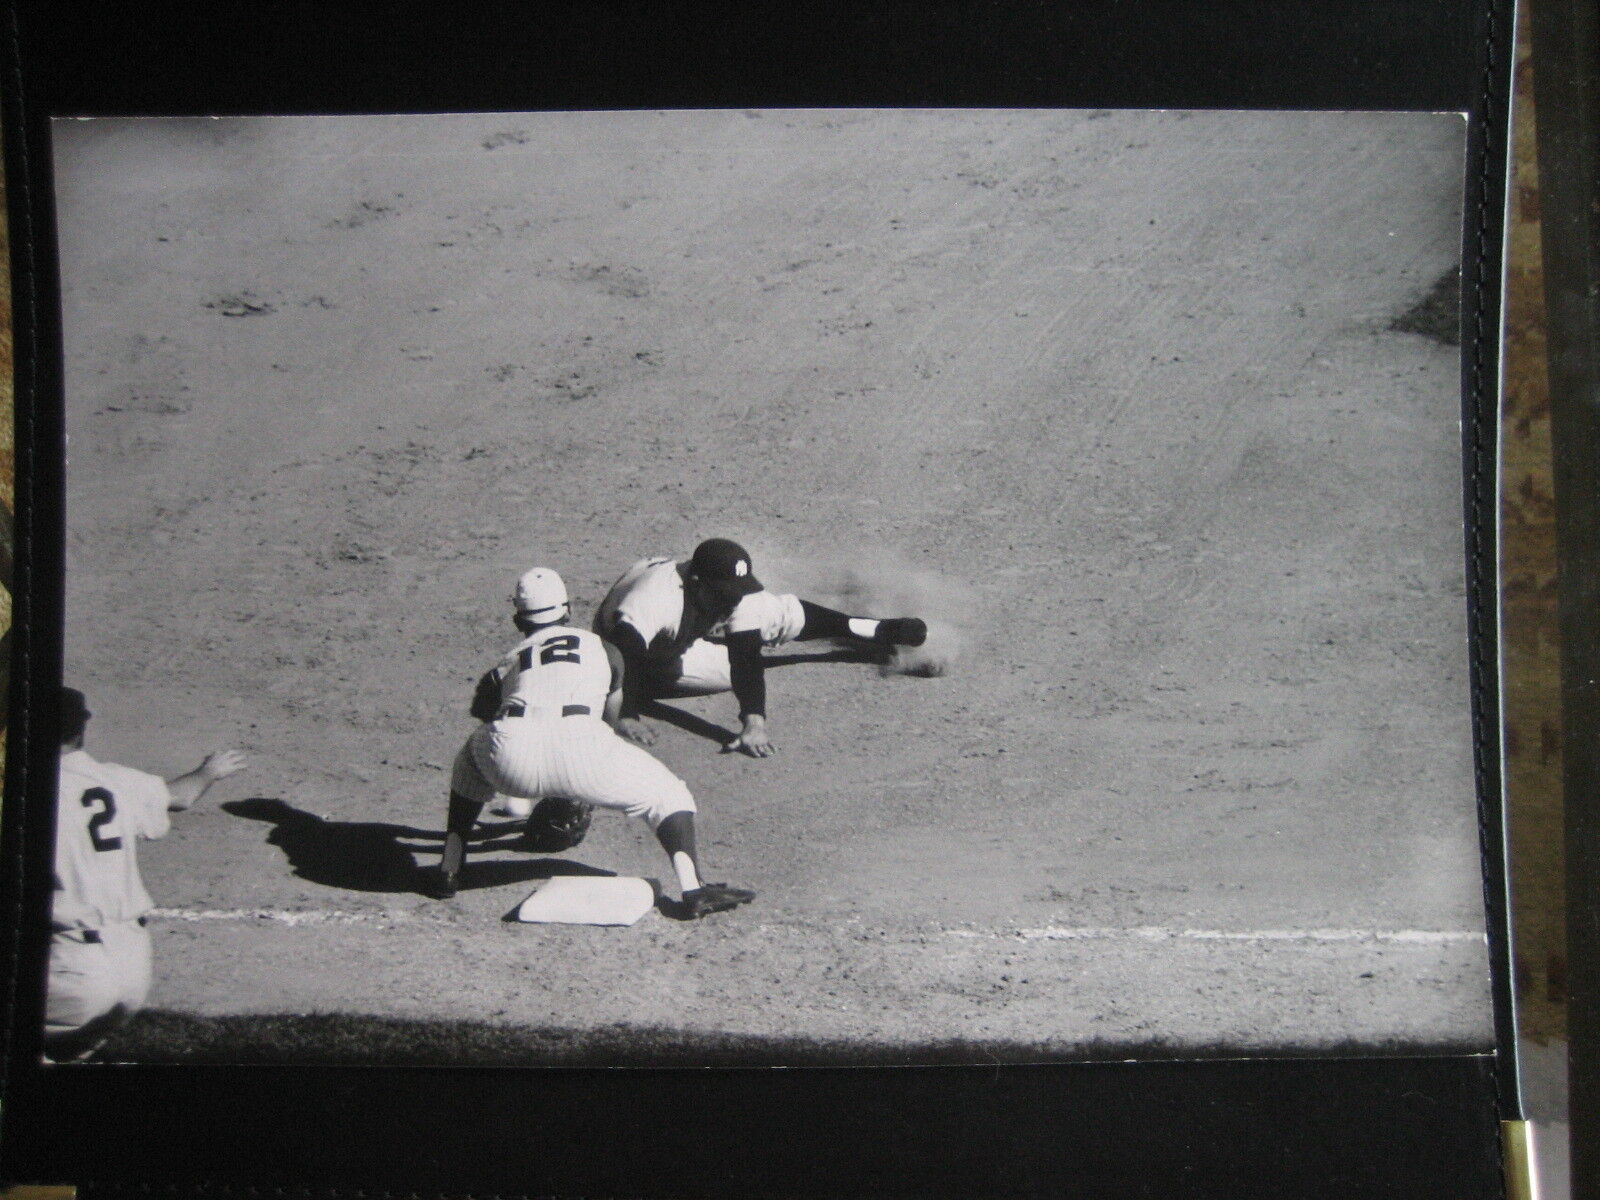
<point x="1111" y="396"/>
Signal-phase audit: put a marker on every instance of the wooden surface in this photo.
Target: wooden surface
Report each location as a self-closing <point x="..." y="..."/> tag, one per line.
<point x="1532" y="645"/>
<point x="8" y="455"/>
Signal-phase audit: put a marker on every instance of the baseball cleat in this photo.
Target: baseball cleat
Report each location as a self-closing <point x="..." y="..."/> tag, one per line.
<point x="901" y="631"/>
<point x="450" y="864"/>
<point x="713" y="897"/>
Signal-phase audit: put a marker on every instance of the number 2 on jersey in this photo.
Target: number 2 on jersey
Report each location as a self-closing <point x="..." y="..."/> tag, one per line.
<point x="562" y="649"/>
<point x="108" y="810"/>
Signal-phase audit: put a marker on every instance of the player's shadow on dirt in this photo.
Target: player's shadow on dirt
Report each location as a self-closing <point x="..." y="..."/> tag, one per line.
<point x="692" y="723"/>
<point x="375" y="856"/>
<point x="498" y="872"/>
<point x="838" y="654"/>
<point x="687" y="721"/>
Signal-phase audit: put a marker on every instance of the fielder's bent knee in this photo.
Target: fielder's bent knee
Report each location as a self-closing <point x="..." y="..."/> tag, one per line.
<point x="660" y="809"/>
<point x="791" y="620"/>
<point x="467" y="780"/>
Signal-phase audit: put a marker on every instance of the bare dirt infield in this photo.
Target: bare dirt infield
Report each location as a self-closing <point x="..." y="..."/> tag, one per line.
<point x="1116" y="395"/>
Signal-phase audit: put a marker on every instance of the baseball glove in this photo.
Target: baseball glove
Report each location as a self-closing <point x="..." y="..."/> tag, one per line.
<point x="557" y="824"/>
<point x="486" y="697"/>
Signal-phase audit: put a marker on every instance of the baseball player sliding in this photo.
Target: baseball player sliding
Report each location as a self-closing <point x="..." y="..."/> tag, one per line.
<point x="546" y="710"/>
<point x="698" y="627"/>
<point x="99" y="946"/>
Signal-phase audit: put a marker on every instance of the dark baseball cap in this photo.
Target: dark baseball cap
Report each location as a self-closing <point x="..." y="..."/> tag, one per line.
<point x="724" y="568"/>
<point x="73" y="711"/>
<point x="74" y="705"/>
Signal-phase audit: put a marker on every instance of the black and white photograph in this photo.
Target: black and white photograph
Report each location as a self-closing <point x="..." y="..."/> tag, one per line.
<point x="769" y="587"/>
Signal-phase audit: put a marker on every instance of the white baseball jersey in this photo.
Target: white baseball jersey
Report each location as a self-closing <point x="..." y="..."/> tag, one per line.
<point x="549" y="738"/>
<point x="650" y="597"/>
<point x="102" y="810"/>
<point x="555" y="668"/>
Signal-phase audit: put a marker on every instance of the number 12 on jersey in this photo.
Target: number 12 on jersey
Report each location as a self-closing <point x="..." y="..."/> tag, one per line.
<point x="563" y="649"/>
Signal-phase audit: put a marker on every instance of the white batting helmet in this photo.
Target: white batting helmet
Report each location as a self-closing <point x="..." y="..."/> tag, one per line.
<point x="541" y="594"/>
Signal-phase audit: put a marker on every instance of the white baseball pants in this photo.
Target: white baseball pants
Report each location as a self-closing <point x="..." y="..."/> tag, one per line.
<point x="93" y="971"/>
<point x="578" y="757"/>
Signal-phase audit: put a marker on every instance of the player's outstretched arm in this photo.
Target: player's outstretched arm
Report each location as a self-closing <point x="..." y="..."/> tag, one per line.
<point x="635" y="730"/>
<point x="188" y="788"/>
<point x="747" y="671"/>
<point x="627" y="720"/>
<point x="752" y="739"/>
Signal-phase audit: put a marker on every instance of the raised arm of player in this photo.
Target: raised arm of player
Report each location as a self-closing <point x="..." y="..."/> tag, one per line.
<point x="188" y="788"/>
<point x="748" y="675"/>
<point x="629" y="642"/>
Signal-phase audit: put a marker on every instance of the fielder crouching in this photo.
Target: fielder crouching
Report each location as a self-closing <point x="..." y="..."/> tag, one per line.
<point x="697" y="627"/>
<point x="99" y="946"/>
<point x="546" y="734"/>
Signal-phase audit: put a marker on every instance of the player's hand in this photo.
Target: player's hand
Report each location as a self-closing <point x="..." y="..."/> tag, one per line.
<point x="752" y="740"/>
<point x="222" y="764"/>
<point x="635" y="731"/>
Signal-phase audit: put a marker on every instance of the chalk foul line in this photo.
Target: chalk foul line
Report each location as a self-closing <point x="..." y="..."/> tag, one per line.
<point x="1159" y="933"/>
<point x="1048" y="933"/>
<point x="280" y="916"/>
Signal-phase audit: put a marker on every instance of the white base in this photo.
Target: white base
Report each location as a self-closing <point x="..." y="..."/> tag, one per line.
<point x="589" y="900"/>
